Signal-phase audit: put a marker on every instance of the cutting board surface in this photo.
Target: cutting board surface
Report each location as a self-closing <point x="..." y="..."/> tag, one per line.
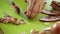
<point x="31" y="24"/>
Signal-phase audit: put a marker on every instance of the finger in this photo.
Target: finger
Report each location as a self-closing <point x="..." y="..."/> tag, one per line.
<point x="41" y="5"/>
<point x="28" y="13"/>
<point x="30" y="6"/>
<point x="35" y="9"/>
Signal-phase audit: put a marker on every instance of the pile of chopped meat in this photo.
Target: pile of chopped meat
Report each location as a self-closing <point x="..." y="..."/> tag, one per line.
<point x="53" y="15"/>
<point x="9" y="19"/>
<point x="33" y="31"/>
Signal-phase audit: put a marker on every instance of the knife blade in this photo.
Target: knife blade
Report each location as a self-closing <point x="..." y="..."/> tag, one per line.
<point x="21" y="13"/>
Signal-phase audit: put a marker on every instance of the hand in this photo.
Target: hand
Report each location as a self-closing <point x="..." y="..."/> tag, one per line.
<point x="30" y="7"/>
<point x="37" y="8"/>
<point x="34" y="7"/>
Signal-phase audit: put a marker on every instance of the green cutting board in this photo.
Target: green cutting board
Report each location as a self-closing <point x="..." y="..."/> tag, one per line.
<point x="31" y="24"/>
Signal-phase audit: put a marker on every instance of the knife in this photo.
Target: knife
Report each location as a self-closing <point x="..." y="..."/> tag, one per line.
<point x="21" y="13"/>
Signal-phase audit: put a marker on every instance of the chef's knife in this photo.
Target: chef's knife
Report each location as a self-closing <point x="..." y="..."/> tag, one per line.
<point x="21" y="13"/>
